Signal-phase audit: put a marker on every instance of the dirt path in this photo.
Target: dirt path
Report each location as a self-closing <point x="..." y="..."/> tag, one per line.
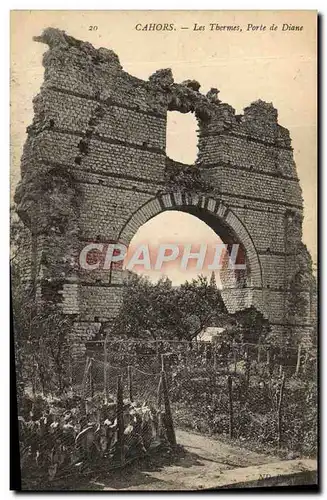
<point x="221" y="453"/>
<point x="200" y="462"/>
<point x="203" y="457"/>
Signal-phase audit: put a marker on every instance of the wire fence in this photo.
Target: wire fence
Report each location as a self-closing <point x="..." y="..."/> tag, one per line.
<point x="125" y="398"/>
<point x="111" y="416"/>
<point x="109" y="357"/>
<point x="246" y="391"/>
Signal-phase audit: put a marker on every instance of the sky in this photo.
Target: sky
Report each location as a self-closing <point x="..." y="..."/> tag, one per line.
<point x="275" y="66"/>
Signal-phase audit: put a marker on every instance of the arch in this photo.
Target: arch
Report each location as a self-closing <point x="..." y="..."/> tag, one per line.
<point x="216" y="214"/>
<point x="248" y="156"/>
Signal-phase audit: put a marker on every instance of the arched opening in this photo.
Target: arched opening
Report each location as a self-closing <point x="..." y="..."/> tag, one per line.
<point x="181" y="137"/>
<point x="205" y="245"/>
<point x="243" y="288"/>
<point x="178" y="228"/>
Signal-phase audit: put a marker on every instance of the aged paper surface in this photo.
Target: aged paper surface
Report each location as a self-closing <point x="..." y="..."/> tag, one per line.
<point x="187" y="140"/>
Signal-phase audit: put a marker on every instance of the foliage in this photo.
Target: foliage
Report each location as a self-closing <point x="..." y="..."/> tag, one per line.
<point x="302" y="282"/>
<point x="203" y="300"/>
<point x="40" y="333"/>
<point x="200" y="402"/>
<point x="41" y="346"/>
<point x="197" y="374"/>
<point x="248" y="326"/>
<point x="58" y="438"/>
<point x="159" y="310"/>
<point x="16" y="235"/>
<point x="162" y="311"/>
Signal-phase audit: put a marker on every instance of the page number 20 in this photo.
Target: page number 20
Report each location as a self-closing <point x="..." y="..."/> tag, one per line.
<point x="93" y="28"/>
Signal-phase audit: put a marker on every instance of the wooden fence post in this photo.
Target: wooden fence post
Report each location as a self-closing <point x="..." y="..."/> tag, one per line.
<point x="120" y="420"/>
<point x="230" y="400"/>
<point x="305" y="363"/>
<point x="298" y="361"/>
<point x="157" y="352"/>
<point x="214" y="360"/>
<point x="130" y="383"/>
<point x="83" y="405"/>
<point x="268" y="357"/>
<point x="91" y="378"/>
<point x="168" y="416"/>
<point x="159" y="403"/>
<point x="84" y="380"/>
<point x="279" y="412"/>
<point x="247" y="366"/>
<point x="159" y="394"/>
<point x="234" y="358"/>
<point x="105" y="372"/>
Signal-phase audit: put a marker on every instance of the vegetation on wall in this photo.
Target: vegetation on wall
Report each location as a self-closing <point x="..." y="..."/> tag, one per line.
<point x="302" y="299"/>
<point x="47" y="203"/>
<point x="41" y="331"/>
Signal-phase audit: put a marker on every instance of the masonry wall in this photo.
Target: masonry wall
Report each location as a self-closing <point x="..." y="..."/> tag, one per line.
<point x="98" y="138"/>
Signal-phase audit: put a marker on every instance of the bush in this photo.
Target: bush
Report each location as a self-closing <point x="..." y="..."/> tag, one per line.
<point x="59" y="438"/>
<point x="201" y="402"/>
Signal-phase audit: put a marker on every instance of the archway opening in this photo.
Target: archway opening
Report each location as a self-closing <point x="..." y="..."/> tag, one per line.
<point x="181" y="137"/>
<point x="205" y="246"/>
<point x="176" y="228"/>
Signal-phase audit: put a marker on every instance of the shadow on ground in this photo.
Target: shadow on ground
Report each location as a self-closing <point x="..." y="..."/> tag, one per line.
<point x="138" y="473"/>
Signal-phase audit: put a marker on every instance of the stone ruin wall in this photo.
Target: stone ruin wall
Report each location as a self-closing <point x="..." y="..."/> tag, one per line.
<point x="95" y="156"/>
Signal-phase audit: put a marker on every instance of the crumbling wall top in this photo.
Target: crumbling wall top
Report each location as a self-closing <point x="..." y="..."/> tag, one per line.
<point x="161" y="91"/>
<point x="58" y="39"/>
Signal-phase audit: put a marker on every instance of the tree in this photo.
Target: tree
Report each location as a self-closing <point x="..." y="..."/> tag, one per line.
<point x="203" y="300"/>
<point x="248" y="326"/>
<point x="213" y="282"/>
<point x="160" y="310"/>
<point x="147" y="307"/>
